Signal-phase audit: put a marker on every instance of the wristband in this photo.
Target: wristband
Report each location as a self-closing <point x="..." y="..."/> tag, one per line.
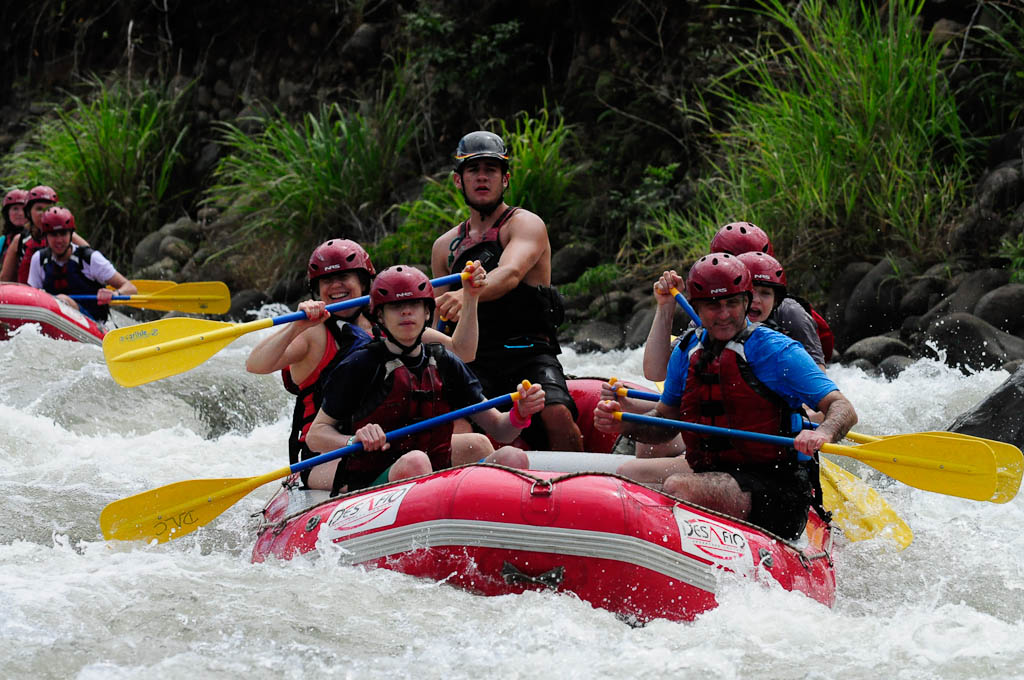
<point x="517" y="420"/>
<point x="351" y="440"/>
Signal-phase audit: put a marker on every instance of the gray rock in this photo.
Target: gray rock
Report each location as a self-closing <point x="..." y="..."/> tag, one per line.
<point x="873" y="307"/>
<point x="970" y="288"/>
<point x="864" y="365"/>
<point x="184" y="228"/>
<point x="598" y="336"/>
<point x="970" y="342"/>
<point x="176" y="248"/>
<point x="639" y="326"/>
<point x="1001" y="188"/>
<point x="246" y="300"/>
<point x="147" y="251"/>
<point x="1002" y="308"/>
<point x="839" y="296"/>
<point x="892" y="366"/>
<point x="568" y="263"/>
<point x="615" y="304"/>
<point x="875" y="349"/>
<point x="998" y="416"/>
<point x="165" y="269"/>
<point x="977" y="233"/>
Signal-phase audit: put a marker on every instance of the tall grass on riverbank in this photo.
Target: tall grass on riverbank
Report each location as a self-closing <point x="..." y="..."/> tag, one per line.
<point x="110" y="154"/>
<point x="839" y="135"/>
<point x="332" y="174"/>
<point x="542" y="168"/>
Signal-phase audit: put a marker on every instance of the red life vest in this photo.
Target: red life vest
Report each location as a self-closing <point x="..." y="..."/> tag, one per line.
<point x="28" y="246"/>
<point x="724" y="392"/>
<point x="828" y="339"/>
<point x="341" y="339"/>
<point x="408" y="399"/>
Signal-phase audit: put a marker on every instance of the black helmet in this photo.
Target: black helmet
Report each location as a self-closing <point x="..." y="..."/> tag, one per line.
<point x="481" y="144"/>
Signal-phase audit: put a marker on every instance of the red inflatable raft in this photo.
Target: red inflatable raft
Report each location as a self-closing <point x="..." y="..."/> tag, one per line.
<point x="21" y="304"/>
<point x="568" y="525"/>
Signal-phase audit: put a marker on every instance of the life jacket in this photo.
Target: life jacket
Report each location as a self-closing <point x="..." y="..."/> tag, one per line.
<point x="828" y="339"/>
<point x="723" y="391"/>
<point x="27" y="247"/>
<point x="70" y="279"/>
<point x="406" y="399"/>
<point x="526" y="318"/>
<point x="342" y="338"/>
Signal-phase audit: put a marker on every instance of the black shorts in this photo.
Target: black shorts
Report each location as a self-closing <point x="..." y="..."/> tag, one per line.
<point x="779" y="502"/>
<point x="503" y="377"/>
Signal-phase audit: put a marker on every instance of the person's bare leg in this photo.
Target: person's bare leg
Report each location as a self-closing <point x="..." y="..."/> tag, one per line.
<point x="652" y="470"/>
<point x="563" y="432"/>
<point x="470" y="448"/>
<point x="712" y="490"/>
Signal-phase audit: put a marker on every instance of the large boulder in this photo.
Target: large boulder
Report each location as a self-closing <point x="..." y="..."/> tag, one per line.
<point x="970" y="289"/>
<point x="874" y="304"/>
<point x="598" y="336"/>
<point x="839" y="297"/>
<point x="1002" y="308"/>
<point x="970" y="342"/>
<point x="998" y="416"/>
<point x="568" y="263"/>
<point x="876" y="349"/>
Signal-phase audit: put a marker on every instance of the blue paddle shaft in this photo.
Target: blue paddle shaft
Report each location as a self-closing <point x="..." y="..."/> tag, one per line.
<point x="356" y="302"/>
<point x="93" y="297"/>
<point x="404" y="431"/>
<point x="711" y="429"/>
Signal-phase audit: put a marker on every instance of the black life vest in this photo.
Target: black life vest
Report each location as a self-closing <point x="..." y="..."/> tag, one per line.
<point x="70" y="279"/>
<point x="524" y="320"/>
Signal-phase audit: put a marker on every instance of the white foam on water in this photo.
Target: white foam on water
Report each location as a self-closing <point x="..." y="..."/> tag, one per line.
<point x="72" y="441"/>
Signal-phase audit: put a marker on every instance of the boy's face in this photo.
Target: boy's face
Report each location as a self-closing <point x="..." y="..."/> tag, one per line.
<point x="405" y="320"/>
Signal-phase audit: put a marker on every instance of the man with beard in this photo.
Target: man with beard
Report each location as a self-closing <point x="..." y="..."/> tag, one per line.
<point x="519" y="311"/>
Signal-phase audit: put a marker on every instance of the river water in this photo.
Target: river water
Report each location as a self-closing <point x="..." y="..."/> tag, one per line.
<point x="73" y="606"/>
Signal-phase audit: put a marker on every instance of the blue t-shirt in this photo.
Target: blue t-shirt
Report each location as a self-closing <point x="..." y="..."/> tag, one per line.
<point x="780" y="362"/>
<point x="359" y="383"/>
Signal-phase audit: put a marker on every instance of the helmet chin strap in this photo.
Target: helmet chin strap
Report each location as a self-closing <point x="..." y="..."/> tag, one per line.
<point x="406" y="349"/>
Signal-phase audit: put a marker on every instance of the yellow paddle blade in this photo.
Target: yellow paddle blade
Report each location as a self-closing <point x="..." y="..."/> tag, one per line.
<point x="859" y="510"/>
<point x="177" y="509"/>
<point x="140" y="354"/>
<point x="1009" y="461"/>
<point x="952" y="466"/>
<point x="150" y="286"/>
<point x="203" y="297"/>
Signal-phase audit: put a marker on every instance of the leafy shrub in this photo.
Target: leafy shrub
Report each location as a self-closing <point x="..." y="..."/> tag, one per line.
<point x="600" y="279"/>
<point x="333" y="174"/>
<point x="110" y="154"/>
<point x="841" y="136"/>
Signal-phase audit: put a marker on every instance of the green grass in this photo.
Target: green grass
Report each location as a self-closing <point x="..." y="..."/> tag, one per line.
<point x="111" y="155"/>
<point x="839" y="135"/>
<point x="333" y="174"/>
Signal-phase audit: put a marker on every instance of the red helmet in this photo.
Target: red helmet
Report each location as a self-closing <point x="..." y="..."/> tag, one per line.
<point x="716" y="276"/>
<point x="400" y="284"/>
<point x="12" y="198"/>
<point x="339" y="255"/>
<point x="15" y="197"/>
<point x="40" y="193"/>
<point x="765" y="270"/>
<point x="741" y="237"/>
<point x="57" y="218"/>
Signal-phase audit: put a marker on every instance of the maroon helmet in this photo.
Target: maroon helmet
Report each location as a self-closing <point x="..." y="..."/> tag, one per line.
<point x="765" y="270"/>
<point x="15" y="197"/>
<point x="717" y="276"/>
<point x="56" y="219"/>
<point x="400" y="284"/>
<point x="40" y="193"/>
<point x="12" y="198"/>
<point x="741" y="237"/>
<point x="339" y="255"/>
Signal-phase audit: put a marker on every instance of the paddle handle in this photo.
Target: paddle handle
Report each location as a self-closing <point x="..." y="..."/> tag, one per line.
<point x="410" y="429"/>
<point x="93" y="297"/>
<point x="711" y="429"/>
<point x="685" y="304"/>
<point x="630" y="392"/>
<point x="361" y="301"/>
